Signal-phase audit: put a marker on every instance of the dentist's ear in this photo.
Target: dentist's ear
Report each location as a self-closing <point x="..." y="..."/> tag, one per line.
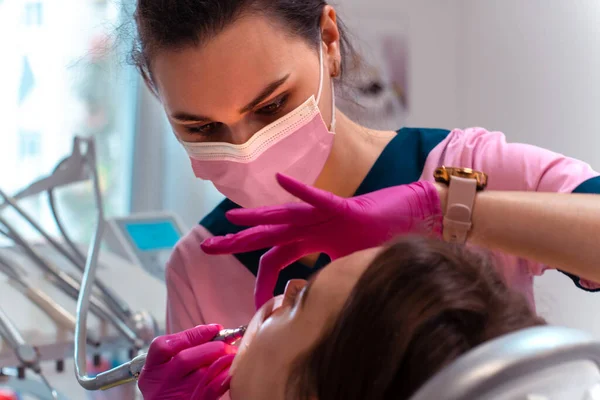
<point x="331" y="38"/>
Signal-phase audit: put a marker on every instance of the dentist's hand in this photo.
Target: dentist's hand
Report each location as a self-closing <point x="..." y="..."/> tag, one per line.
<point x="187" y="365"/>
<point x="327" y="223"/>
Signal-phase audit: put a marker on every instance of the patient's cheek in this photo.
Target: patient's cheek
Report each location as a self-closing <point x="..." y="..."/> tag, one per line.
<point x="253" y="328"/>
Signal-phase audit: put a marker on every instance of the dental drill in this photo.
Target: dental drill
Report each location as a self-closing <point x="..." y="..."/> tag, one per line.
<point x="130" y="371"/>
<point x="27" y="355"/>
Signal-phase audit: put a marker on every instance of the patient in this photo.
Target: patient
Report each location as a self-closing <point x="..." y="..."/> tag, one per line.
<point x="376" y="324"/>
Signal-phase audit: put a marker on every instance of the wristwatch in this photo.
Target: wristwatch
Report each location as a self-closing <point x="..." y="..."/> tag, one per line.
<point x="463" y="185"/>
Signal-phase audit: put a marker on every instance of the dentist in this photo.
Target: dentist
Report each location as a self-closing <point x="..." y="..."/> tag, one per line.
<point x="248" y="87"/>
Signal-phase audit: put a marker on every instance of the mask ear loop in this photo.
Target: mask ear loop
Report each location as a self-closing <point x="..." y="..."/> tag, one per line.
<point x="321" y="74"/>
<point x="320" y="70"/>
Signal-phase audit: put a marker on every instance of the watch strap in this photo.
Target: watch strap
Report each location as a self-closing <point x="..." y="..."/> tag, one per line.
<point x="459" y="209"/>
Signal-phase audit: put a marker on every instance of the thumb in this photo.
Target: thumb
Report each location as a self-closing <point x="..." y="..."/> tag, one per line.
<point x="270" y="264"/>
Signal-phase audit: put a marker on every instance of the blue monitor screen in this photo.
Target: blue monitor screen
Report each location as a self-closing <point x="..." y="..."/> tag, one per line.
<point x="149" y="236"/>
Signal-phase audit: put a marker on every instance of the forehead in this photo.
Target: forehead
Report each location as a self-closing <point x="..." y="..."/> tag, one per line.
<point x="232" y="67"/>
<point x="335" y="282"/>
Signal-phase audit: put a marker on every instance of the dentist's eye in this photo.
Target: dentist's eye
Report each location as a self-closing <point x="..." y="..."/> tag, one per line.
<point x="273" y="108"/>
<point x="206" y="129"/>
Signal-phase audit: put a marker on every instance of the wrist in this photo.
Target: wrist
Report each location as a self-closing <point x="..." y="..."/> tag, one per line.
<point x="442" y="191"/>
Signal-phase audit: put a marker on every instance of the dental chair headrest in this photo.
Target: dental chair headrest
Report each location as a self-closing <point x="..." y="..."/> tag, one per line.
<point x="537" y="363"/>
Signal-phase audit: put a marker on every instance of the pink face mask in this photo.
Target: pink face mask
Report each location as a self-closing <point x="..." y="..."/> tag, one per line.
<point x="298" y="144"/>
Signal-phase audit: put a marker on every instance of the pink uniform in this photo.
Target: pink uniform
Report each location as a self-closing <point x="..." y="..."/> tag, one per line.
<point x="205" y="289"/>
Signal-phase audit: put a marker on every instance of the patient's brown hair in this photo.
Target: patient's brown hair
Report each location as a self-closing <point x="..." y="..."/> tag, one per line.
<point x="420" y="305"/>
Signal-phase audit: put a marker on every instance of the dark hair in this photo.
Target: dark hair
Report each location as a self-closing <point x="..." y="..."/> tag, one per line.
<point x="180" y="23"/>
<point x="420" y="305"/>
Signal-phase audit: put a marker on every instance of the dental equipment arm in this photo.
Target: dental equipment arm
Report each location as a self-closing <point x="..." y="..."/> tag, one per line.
<point x="71" y="170"/>
<point x="58" y="314"/>
<point x="559" y="230"/>
<point x="69" y="285"/>
<point x="27" y="355"/>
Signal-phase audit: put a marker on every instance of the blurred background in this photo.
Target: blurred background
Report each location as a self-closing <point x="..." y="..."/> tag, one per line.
<point x="529" y="68"/>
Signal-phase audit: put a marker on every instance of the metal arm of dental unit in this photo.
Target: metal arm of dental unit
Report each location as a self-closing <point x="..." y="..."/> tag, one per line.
<point x="139" y="327"/>
<point x="70" y="286"/>
<point x="59" y="315"/>
<point x="131" y="370"/>
<point x="74" y="168"/>
<point x="27" y="355"/>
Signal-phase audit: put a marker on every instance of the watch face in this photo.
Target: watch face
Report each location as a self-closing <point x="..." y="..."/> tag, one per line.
<point x="443" y="175"/>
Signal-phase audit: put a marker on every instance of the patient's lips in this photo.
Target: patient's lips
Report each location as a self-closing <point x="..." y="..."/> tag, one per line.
<point x="261" y="316"/>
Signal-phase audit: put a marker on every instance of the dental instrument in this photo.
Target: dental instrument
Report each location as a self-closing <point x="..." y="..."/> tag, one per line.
<point x="59" y="315"/>
<point x="130" y="371"/>
<point x="138" y="327"/>
<point x="68" y="284"/>
<point x="72" y="169"/>
<point x="28" y="355"/>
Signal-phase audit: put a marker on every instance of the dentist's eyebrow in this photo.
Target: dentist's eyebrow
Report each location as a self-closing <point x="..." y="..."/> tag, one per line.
<point x="272" y="87"/>
<point x="184" y="117"/>
<point x="181" y="116"/>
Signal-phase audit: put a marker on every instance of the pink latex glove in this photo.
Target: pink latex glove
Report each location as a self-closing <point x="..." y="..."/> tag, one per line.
<point x="187" y="365"/>
<point x="328" y="224"/>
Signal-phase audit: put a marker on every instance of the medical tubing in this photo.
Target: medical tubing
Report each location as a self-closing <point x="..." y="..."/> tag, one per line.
<point x="10" y="332"/>
<point x="8" y="269"/>
<point x="14" y="339"/>
<point x="61" y="227"/>
<point x="53" y="391"/>
<point x="56" y="312"/>
<point x="116" y="306"/>
<point x="72" y="287"/>
<point x="114" y="302"/>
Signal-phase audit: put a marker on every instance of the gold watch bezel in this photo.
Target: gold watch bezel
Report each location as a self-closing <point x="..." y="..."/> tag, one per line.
<point x="443" y="175"/>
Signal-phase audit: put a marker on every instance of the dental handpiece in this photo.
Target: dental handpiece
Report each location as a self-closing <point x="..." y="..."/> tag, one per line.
<point x="131" y="370"/>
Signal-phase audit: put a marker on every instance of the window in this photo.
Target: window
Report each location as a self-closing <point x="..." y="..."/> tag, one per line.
<point x="29" y="145"/>
<point x="33" y="14"/>
<point x="61" y="76"/>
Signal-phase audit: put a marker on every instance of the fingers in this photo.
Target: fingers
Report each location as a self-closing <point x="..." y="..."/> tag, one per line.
<point x="195" y="358"/>
<point x="271" y="263"/>
<point x="164" y="348"/>
<point x="319" y="198"/>
<point x="215" y="381"/>
<point x="256" y="238"/>
<point x="293" y="213"/>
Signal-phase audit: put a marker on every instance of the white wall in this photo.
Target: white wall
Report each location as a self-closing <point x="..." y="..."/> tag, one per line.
<point x="532" y="70"/>
<point x="433" y="49"/>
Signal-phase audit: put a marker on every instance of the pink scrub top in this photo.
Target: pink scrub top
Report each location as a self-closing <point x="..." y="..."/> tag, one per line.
<point x="206" y="289"/>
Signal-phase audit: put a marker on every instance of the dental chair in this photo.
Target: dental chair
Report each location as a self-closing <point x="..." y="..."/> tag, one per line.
<point x="541" y="363"/>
